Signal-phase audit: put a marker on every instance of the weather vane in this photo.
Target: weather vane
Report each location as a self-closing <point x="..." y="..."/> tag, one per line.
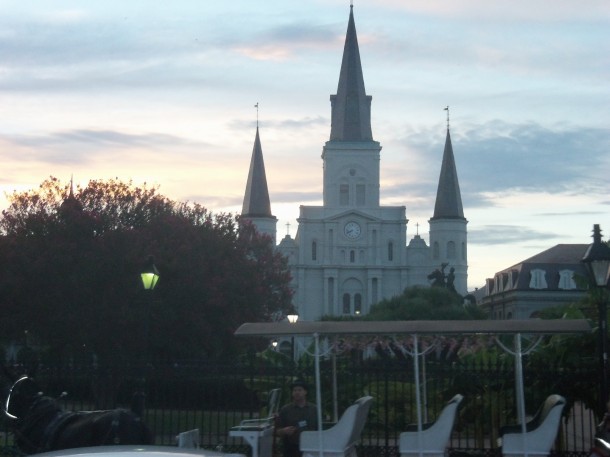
<point x="447" y="109"/>
<point x="256" y="106"/>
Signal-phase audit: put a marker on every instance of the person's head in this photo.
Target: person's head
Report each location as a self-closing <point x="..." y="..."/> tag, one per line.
<point x="298" y="390"/>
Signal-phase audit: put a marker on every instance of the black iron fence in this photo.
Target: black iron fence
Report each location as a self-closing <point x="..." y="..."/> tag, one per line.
<point x="190" y="395"/>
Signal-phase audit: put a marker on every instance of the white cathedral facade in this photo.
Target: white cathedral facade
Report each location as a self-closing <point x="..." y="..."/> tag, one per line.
<point x="352" y="252"/>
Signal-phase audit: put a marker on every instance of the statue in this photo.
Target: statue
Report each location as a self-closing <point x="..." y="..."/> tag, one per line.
<point x="440" y="279"/>
<point x="438" y="276"/>
<point x="450" y="279"/>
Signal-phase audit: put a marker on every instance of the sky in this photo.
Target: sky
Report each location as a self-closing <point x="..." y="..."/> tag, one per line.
<point x="165" y="93"/>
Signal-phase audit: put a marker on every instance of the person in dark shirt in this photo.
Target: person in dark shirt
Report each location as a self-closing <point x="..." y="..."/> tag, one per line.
<point x="295" y="417"/>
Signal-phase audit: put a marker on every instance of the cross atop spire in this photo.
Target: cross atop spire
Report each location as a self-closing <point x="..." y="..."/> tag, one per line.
<point x="256" y="106"/>
<point x="447" y="109"/>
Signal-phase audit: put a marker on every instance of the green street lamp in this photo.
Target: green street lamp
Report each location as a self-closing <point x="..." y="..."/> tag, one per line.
<point x="597" y="262"/>
<point x="150" y="274"/>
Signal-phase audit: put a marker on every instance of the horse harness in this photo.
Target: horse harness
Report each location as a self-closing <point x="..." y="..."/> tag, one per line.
<point x="61" y="420"/>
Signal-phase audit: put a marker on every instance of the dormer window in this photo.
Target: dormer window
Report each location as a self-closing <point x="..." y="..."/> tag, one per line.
<point x="566" y="280"/>
<point x="538" y="279"/>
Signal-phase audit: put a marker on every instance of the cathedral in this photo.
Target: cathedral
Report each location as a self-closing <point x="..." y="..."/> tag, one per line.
<point x="352" y="252"/>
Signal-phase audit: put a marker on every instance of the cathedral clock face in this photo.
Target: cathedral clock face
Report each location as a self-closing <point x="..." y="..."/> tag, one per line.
<point x="352" y="230"/>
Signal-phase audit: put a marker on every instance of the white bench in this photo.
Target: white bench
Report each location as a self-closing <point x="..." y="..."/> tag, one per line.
<point x="189" y="439"/>
<point x="434" y="436"/>
<point x="540" y="431"/>
<point x="340" y="440"/>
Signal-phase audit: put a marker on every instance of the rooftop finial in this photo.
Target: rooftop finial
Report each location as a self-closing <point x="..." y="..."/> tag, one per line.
<point x="447" y="109"/>
<point x="288" y="228"/>
<point x="256" y="106"/>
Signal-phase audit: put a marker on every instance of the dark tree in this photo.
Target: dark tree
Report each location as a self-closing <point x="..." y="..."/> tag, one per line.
<point x="70" y="264"/>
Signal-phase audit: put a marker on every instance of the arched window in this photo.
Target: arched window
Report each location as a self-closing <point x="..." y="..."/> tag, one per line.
<point x="344" y="194"/>
<point x="314" y="250"/>
<point x="360" y="193"/>
<point x="347" y="304"/>
<point x="390" y="251"/>
<point x="352" y="256"/>
<point x="451" y="250"/>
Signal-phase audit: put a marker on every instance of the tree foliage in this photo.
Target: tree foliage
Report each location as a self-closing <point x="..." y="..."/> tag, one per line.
<point x="575" y="353"/>
<point x="69" y="275"/>
<point x="424" y="303"/>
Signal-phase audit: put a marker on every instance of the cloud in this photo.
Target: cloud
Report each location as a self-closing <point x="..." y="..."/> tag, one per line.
<point x="538" y="10"/>
<point x="76" y="146"/>
<point x="507" y="234"/>
<point x="498" y="157"/>
<point x="303" y="198"/>
<point x="289" y="41"/>
<point x="304" y="123"/>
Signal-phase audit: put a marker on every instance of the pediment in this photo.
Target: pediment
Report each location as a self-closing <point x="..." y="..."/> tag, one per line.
<point x="353" y="213"/>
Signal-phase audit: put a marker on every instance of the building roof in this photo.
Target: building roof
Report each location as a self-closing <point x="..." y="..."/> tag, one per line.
<point x="552" y="262"/>
<point x="448" y="197"/>
<point x="351" y="107"/>
<point x="561" y="253"/>
<point x="256" y="199"/>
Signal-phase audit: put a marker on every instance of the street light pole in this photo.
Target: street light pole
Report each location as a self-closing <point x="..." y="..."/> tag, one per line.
<point x="150" y="277"/>
<point x="292" y="318"/>
<point x="597" y="262"/>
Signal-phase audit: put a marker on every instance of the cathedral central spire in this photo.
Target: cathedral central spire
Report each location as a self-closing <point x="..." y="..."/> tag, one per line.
<point x="351" y="107"/>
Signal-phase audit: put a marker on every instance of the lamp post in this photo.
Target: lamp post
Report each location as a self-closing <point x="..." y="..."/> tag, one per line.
<point x="597" y="262"/>
<point x="150" y="277"/>
<point x="292" y="318"/>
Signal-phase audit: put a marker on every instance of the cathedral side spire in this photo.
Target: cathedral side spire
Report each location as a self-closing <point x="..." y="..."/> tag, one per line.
<point x="256" y="199"/>
<point x="351" y="107"/>
<point x="257" y="206"/>
<point x="448" y="197"/>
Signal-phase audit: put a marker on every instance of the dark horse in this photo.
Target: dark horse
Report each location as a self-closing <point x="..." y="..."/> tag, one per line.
<point x="40" y="424"/>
